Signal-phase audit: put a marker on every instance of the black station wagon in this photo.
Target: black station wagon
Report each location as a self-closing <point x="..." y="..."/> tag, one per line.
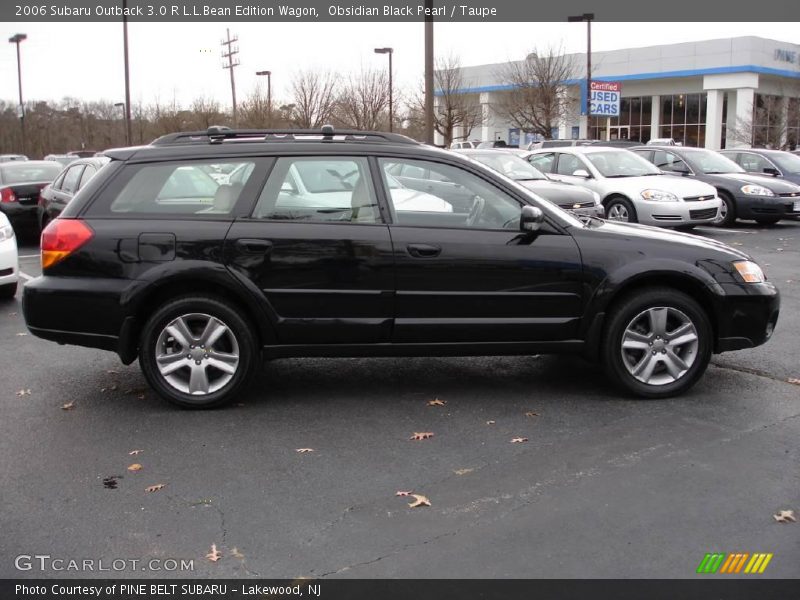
<point x="205" y="252"/>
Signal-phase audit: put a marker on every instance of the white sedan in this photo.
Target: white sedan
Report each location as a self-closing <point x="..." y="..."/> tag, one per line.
<point x="9" y="264"/>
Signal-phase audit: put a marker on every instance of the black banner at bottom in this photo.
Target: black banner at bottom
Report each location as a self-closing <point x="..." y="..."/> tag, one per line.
<point x="401" y="589"/>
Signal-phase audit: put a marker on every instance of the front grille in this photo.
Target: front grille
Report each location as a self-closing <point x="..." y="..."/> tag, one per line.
<point x="699" y="198"/>
<point x="667" y="217"/>
<point x="790" y="195"/>
<point x="706" y="213"/>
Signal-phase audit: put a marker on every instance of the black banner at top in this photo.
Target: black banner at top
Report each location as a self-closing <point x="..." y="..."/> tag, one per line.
<point x="396" y="10"/>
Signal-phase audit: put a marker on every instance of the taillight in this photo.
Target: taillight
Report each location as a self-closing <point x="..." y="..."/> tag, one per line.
<point x="61" y="238"/>
<point x="7" y="195"/>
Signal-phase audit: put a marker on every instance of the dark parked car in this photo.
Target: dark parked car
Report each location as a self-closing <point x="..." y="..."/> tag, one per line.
<point x="775" y="163"/>
<point x="20" y="184"/>
<point x="55" y="196"/>
<point x="492" y="144"/>
<point x="202" y="284"/>
<point x="763" y="199"/>
<point x="82" y="153"/>
<point x="569" y="197"/>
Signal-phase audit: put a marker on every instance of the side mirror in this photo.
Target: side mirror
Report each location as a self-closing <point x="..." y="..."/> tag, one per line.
<point x="531" y="218"/>
<point x="771" y="171"/>
<point x="581" y="173"/>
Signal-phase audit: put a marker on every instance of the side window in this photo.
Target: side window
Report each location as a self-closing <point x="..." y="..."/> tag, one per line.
<point x="754" y="163"/>
<point x="177" y="188"/>
<point x="88" y="173"/>
<point x="59" y="181"/>
<point x="450" y="197"/>
<point x="568" y="164"/>
<point x="319" y="189"/>
<point x="667" y="161"/>
<point x="71" y="179"/>
<point x="543" y="162"/>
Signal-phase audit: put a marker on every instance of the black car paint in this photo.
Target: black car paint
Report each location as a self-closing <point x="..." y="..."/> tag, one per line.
<point x="769" y="155"/>
<point x="340" y="289"/>
<point x="747" y="206"/>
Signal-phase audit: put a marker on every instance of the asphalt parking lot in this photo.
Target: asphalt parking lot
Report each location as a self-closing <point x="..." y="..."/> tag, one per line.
<point x="605" y="486"/>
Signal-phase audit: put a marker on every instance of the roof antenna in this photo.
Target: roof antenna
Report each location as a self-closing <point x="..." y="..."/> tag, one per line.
<point x="327" y="133"/>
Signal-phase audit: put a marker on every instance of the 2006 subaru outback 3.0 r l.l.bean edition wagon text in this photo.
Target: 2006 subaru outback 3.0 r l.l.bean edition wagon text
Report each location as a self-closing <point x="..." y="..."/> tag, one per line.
<point x="305" y="244"/>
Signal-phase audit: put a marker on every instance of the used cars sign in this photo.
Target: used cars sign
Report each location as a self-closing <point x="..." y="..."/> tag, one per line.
<point x="605" y="98"/>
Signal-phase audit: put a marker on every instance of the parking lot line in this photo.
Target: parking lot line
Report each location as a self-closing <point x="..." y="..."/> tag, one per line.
<point x="30" y="256"/>
<point x="720" y="230"/>
<point x="25" y="276"/>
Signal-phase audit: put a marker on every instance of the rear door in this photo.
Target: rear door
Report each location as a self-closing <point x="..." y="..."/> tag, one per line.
<point x="63" y="193"/>
<point x="317" y="249"/>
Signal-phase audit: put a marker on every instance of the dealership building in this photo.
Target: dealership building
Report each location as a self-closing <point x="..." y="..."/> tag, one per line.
<point x="713" y="94"/>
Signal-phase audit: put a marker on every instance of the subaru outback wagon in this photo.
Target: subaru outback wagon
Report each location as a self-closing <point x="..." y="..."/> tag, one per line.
<point x="311" y="247"/>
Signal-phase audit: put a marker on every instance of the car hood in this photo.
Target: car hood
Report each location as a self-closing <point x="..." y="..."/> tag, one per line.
<point x="636" y="233"/>
<point x="680" y="186"/>
<point x="774" y="184"/>
<point x="564" y="195"/>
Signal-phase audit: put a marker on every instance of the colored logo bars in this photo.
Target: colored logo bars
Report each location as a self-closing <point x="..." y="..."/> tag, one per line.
<point x="734" y="563"/>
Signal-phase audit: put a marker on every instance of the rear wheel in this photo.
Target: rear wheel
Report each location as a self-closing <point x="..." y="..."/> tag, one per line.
<point x="197" y="352"/>
<point x="657" y="343"/>
<point x="8" y="291"/>
<point x="621" y="209"/>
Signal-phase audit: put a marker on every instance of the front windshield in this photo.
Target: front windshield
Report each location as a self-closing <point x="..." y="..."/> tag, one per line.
<point x="709" y="162"/>
<point x="621" y="163"/>
<point x="510" y="165"/>
<point x="790" y="163"/>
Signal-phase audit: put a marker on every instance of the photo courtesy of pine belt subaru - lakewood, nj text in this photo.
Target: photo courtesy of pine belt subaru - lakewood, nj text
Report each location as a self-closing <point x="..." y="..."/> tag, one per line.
<point x="206" y="252"/>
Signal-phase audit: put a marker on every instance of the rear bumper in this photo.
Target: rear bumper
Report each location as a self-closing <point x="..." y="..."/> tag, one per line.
<point x="746" y="315"/>
<point x="16" y="211"/>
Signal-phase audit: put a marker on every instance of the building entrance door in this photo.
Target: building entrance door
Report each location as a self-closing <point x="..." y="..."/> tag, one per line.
<point x="619" y="132"/>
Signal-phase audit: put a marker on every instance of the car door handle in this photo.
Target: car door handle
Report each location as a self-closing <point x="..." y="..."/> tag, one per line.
<point x="253" y="246"/>
<point x="423" y="250"/>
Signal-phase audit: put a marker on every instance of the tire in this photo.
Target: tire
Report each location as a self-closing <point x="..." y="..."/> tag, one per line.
<point x="727" y="210"/>
<point x="621" y="209"/>
<point x="8" y="291"/>
<point x="675" y="367"/>
<point x="767" y="220"/>
<point x="685" y="228"/>
<point x="170" y="364"/>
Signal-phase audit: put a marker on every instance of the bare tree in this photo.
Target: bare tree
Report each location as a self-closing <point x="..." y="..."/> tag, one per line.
<point x="453" y="107"/>
<point x="363" y="101"/>
<point x="538" y="98"/>
<point x="205" y="112"/>
<point x="255" y="111"/>
<point x="314" y="98"/>
<point x="772" y="122"/>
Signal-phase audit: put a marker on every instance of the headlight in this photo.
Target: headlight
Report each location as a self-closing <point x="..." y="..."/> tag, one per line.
<point x="756" y="190"/>
<point x="750" y="271"/>
<point x="6" y="232"/>
<point x="659" y="196"/>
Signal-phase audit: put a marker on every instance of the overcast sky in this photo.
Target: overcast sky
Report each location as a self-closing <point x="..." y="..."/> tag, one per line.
<point x="169" y="60"/>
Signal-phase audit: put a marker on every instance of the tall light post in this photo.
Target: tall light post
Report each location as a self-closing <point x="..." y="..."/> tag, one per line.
<point x="269" y="95"/>
<point x="588" y="17"/>
<point x="390" y="52"/>
<point x="122" y="105"/>
<point x="128" y="135"/>
<point x="17" y="39"/>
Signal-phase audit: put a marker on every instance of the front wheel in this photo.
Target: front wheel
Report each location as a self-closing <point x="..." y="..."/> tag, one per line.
<point x="197" y="352"/>
<point x="622" y="210"/>
<point x="657" y="343"/>
<point x="727" y="211"/>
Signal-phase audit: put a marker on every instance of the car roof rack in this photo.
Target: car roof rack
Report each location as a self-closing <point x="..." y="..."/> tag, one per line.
<point x="218" y="134"/>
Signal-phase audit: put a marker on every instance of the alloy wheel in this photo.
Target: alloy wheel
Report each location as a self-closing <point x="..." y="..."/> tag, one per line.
<point x="618" y="212"/>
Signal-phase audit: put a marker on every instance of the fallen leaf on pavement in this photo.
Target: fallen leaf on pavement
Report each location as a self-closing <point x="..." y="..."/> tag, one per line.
<point x="155" y="488"/>
<point x="26" y="392"/>
<point x="68" y="406"/>
<point x="793" y="380"/>
<point x="112" y="372"/>
<point x="236" y="554"/>
<point x="402" y="493"/>
<point x="135" y="467"/>
<point x="135" y="452"/>
<point x="463" y="471"/>
<point x="21" y="334"/>
<point x="491" y="422"/>
<point x="110" y="482"/>
<point x="419" y="501"/>
<point x="518" y="440"/>
<point x="531" y="414"/>
<point x="215" y="554"/>
<point x="437" y="402"/>
<point x="785" y="516"/>
<point x="12" y="314"/>
<point x="304" y="450"/>
<point x="421" y="436"/>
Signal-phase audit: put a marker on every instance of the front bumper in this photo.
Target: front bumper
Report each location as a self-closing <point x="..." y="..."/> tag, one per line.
<point x="598" y="210"/>
<point x="755" y="207"/>
<point x="673" y="214"/>
<point x="746" y="315"/>
<point x="9" y="264"/>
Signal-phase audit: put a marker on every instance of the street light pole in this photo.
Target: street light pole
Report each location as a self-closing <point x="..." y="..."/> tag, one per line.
<point x="17" y="39"/>
<point x="588" y="17"/>
<point x="128" y="136"/>
<point x="122" y="105"/>
<point x="390" y="52"/>
<point x="269" y="95"/>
